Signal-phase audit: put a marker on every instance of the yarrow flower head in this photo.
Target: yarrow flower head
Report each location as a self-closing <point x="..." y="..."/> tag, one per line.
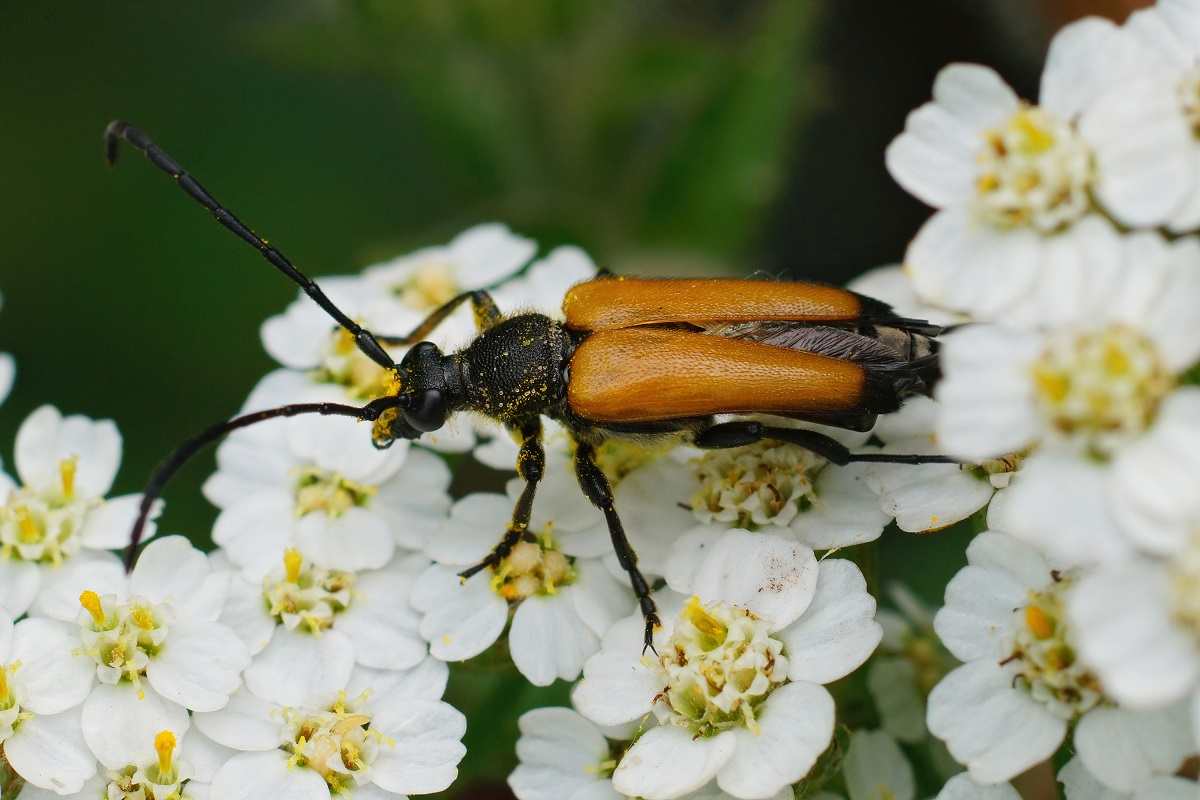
<point x="387" y="731"/>
<point x="57" y="512"/>
<point x="553" y="588"/>
<point x="735" y="683"/>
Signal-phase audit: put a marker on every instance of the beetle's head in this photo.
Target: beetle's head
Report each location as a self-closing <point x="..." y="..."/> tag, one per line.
<point x="420" y="384"/>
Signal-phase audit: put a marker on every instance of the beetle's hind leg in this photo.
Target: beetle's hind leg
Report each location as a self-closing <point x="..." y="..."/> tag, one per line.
<point x="597" y="489"/>
<point x="531" y="464"/>
<point x="743" y="432"/>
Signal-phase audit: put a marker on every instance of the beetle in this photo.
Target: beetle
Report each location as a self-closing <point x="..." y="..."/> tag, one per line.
<point x="655" y="361"/>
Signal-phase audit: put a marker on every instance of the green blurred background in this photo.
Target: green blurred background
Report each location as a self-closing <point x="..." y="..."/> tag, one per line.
<point x="663" y="136"/>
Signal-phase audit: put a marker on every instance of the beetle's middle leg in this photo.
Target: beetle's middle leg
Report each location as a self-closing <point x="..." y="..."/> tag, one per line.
<point x="738" y="433"/>
<point x="531" y="464"/>
<point x="598" y="490"/>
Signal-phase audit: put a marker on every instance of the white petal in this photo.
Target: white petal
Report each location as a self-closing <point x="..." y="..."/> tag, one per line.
<point x="427" y="736"/>
<point x="996" y="731"/>
<point x="616" y="687"/>
<point x="266" y="776"/>
<point x="963" y="787"/>
<point x="1127" y="632"/>
<point x="247" y="723"/>
<point x="875" y="768"/>
<point x="298" y="667"/>
<point x="462" y="619"/>
<point x="959" y="265"/>
<point x="667" y="762"/>
<point x="983" y="597"/>
<point x="975" y="94"/>
<point x="838" y="632"/>
<point x="120" y="726"/>
<point x="57" y="678"/>
<point x="356" y="539"/>
<point x="796" y="727"/>
<point x="1122" y="748"/>
<point x="99" y="572"/>
<point x="426" y="680"/>
<point x="108" y="527"/>
<point x="547" y="639"/>
<point x="1086" y="58"/>
<point x="168" y="570"/>
<point x="476" y="525"/>
<point x="19" y="584"/>
<point x="847" y="513"/>
<point x="45" y="439"/>
<point x="254" y="532"/>
<point x="198" y="665"/>
<point x="385" y="630"/>
<point x="768" y="575"/>
<point x="1057" y="502"/>
<point x="1142" y="146"/>
<point x="50" y="752"/>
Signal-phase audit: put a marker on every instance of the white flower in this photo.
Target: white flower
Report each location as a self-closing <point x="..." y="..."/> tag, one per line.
<point x="1005" y="616"/>
<point x="1095" y="390"/>
<point x="318" y="484"/>
<point x="1138" y="623"/>
<point x="929" y="497"/>
<point x="1079" y="784"/>
<point x="307" y="627"/>
<point x="1010" y="178"/>
<point x="386" y="736"/>
<point x="767" y="486"/>
<point x="478" y="258"/>
<point x="57" y="514"/>
<point x="42" y="683"/>
<point x="737" y="689"/>
<point x="560" y="595"/>
<point x="563" y="756"/>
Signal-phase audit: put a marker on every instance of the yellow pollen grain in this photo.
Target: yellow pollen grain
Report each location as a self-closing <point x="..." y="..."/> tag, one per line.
<point x="1053" y="385"/>
<point x="987" y="182"/>
<point x="164" y="744"/>
<point x="67" y="468"/>
<point x="292" y="561"/>
<point x="1039" y="622"/>
<point x="91" y="601"/>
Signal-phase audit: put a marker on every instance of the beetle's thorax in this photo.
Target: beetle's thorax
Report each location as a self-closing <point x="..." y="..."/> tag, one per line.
<point x="515" y="369"/>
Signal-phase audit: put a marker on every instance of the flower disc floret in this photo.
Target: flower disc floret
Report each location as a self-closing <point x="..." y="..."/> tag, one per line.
<point x="43" y="526"/>
<point x="718" y="666"/>
<point x="1047" y="666"/>
<point x="1102" y="387"/>
<point x="329" y="491"/>
<point x="343" y="364"/>
<point x="1033" y="171"/>
<point x="760" y="484"/>
<point x="122" y="638"/>
<point x="335" y="742"/>
<point x="300" y="595"/>
<point x="533" y="568"/>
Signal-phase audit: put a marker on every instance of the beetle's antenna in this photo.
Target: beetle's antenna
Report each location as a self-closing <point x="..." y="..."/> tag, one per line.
<point x="118" y="130"/>
<point x="182" y="454"/>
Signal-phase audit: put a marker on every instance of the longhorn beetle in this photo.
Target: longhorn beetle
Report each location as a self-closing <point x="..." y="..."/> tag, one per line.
<point x="654" y="361"/>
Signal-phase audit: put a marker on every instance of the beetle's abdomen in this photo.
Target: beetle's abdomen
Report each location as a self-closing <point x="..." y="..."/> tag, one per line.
<point x="645" y="374"/>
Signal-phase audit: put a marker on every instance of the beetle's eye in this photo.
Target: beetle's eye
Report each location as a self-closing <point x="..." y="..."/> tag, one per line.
<point x="427" y="412"/>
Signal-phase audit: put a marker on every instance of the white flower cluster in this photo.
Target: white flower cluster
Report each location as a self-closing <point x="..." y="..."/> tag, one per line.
<point x="306" y="657"/>
<point x="1065" y="242"/>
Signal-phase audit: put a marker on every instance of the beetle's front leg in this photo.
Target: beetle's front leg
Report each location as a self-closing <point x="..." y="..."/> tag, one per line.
<point x="487" y="314"/>
<point x="531" y="464"/>
<point x="598" y="490"/>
